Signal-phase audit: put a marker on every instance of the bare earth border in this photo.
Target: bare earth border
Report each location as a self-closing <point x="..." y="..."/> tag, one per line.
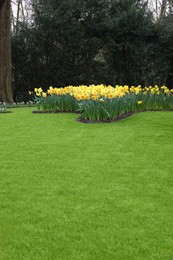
<point x="79" y="119"/>
<point x="123" y="116"/>
<point x="53" y="112"/>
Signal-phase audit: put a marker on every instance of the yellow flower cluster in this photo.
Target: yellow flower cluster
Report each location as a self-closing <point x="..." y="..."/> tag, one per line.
<point x="100" y="92"/>
<point x="157" y="90"/>
<point x="97" y="92"/>
<point x="39" y="92"/>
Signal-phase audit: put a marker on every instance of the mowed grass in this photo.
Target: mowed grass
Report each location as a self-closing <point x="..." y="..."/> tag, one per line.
<point x="70" y="190"/>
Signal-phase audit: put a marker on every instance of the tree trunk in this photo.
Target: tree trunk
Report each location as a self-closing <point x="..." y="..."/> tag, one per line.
<point x="163" y="9"/>
<point x="5" y="52"/>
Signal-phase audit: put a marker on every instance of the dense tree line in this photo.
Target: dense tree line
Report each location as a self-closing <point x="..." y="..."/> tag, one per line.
<point x="91" y="41"/>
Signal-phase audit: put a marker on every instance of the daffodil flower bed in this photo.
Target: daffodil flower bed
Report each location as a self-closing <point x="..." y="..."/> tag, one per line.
<point x="100" y="102"/>
<point x="55" y="100"/>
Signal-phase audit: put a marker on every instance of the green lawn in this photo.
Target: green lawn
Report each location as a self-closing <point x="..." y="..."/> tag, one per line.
<point x="78" y="191"/>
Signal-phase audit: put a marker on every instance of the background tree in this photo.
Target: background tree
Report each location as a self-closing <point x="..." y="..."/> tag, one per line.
<point x="159" y="8"/>
<point x="5" y="52"/>
<point x="129" y="45"/>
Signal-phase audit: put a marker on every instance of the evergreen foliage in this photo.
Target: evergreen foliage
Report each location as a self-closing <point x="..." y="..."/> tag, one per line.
<point x="91" y="41"/>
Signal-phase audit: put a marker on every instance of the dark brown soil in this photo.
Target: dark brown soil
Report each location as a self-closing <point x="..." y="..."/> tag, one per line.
<point x="43" y="112"/>
<point x="53" y="111"/>
<point x="79" y="119"/>
<point x="123" y="116"/>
